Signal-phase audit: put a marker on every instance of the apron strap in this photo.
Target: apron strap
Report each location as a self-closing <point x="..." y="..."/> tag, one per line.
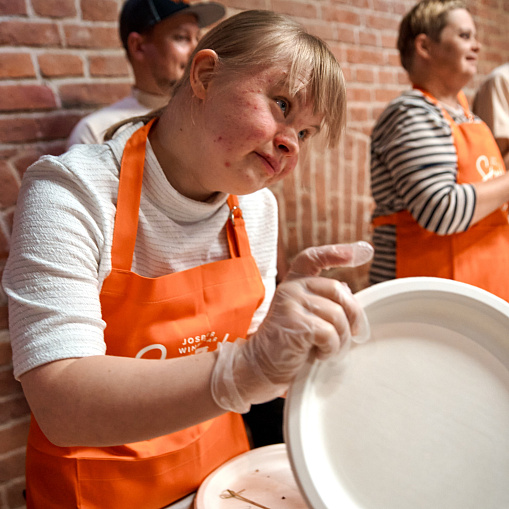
<point x="462" y="100"/>
<point x="399" y="218"/>
<point x="236" y="230"/>
<point x="128" y="200"/>
<point x="385" y="220"/>
<point x="128" y="206"/>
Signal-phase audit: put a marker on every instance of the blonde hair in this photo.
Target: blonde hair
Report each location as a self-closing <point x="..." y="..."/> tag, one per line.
<point x="260" y="39"/>
<point x="427" y="17"/>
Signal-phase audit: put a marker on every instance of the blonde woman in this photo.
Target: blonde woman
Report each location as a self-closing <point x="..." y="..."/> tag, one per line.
<point x="437" y="175"/>
<point x="132" y="261"/>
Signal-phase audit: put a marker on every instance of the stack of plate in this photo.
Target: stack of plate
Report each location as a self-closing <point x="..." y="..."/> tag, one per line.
<point x="416" y="418"/>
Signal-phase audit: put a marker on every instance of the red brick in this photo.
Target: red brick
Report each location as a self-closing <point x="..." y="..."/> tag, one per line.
<point x="383" y="5"/>
<point x="8" y="385"/>
<point x="93" y="94"/>
<point x="401" y="8"/>
<point x="54" y="8"/>
<point x="387" y="77"/>
<point x="20" y="33"/>
<point x="9" y="185"/>
<point x="293" y="244"/>
<point x="13" y="436"/>
<point x="80" y="36"/>
<point x="241" y="5"/>
<point x="347" y="73"/>
<point x="55" y="148"/>
<point x="389" y="40"/>
<point x="26" y="97"/>
<point x="14" y="130"/>
<point x="5" y="354"/>
<point x="383" y="22"/>
<point x="289" y="192"/>
<point x="100" y="10"/>
<point x="392" y="58"/>
<point x="360" y="4"/>
<point x="365" y="75"/>
<point x="363" y="56"/>
<point x="25" y="158"/>
<point x="57" y="65"/>
<point x="5" y="350"/>
<point x="340" y="15"/>
<point x="5" y="153"/>
<point x="15" y="493"/>
<point x="367" y="38"/>
<point x="295" y="9"/>
<point x="16" y="65"/>
<point x="402" y="77"/>
<point x="109" y="65"/>
<point x="386" y="95"/>
<point x="13" y="408"/>
<point x="12" y="465"/>
<point x="357" y="114"/>
<point x="11" y="7"/>
<point x="321" y="190"/>
<point x="320" y="29"/>
<point x="4" y="252"/>
<point x="346" y="34"/>
<point x="57" y="126"/>
<point x="306" y="226"/>
<point x="357" y="94"/>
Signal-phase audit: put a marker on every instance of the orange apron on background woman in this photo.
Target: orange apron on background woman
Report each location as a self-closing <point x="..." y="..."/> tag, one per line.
<point x="166" y="317"/>
<point x="478" y="256"/>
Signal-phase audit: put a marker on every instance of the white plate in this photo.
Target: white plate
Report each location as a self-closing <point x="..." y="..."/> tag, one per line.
<point x="417" y="417"/>
<point x="262" y="475"/>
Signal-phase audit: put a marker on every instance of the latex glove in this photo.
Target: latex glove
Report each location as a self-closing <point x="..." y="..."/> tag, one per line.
<point x="308" y="313"/>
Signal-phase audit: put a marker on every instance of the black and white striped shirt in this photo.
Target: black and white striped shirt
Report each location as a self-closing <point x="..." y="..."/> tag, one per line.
<point x="414" y="168"/>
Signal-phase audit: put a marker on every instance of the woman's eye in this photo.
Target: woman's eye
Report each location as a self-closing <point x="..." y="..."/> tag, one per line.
<point x="303" y="135"/>
<point x="283" y="105"/>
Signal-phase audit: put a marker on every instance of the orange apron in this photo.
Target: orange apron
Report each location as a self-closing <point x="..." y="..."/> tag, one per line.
<point x="478" y="256"/>
<point x="170" y="316"/>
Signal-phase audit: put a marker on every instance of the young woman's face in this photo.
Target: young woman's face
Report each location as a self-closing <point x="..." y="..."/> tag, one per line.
<point x="251" y="131"/>
<point x="456" y="53"/>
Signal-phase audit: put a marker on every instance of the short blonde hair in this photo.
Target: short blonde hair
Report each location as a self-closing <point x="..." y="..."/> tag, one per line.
<point x="427" y="17"/>
<point x="257" y="39"/>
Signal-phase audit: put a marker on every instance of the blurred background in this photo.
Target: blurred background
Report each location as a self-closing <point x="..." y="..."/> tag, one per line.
<point x="62" y="59"/>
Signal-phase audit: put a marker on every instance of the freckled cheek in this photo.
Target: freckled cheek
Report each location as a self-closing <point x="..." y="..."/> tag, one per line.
<point x="260" y="129"/>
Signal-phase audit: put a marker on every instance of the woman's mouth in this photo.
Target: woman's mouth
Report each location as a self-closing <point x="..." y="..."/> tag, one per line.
<point x="272" y="166"/>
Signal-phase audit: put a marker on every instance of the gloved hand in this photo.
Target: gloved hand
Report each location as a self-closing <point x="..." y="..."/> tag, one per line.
<point x="307" y="313"/>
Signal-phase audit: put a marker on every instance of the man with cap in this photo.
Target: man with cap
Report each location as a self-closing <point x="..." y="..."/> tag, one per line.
<point x="158" y="36"/>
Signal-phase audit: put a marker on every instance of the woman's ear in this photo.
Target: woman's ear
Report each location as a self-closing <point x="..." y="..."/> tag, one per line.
<point x="203" y="68"/>
<point x="422" y="46"/>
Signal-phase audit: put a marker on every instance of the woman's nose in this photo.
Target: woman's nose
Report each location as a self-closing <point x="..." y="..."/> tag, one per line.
<point x="287" y="142"/>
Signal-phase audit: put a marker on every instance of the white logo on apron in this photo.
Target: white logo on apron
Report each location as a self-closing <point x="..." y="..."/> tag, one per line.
<point x="488" y="167"/>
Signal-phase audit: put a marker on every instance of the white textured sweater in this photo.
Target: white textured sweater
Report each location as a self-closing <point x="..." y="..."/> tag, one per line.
<point x="61" y="246"/>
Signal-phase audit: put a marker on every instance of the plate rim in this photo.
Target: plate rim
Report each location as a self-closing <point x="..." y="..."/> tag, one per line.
<point x="279" y="449"/>
<point x="367" y="296"/>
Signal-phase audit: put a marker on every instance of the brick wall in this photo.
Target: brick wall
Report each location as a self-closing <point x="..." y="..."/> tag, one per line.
<point x="60" y="59"/>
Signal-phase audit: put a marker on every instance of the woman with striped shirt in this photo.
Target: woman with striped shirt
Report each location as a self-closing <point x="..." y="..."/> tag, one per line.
<point x="437" y="176"/>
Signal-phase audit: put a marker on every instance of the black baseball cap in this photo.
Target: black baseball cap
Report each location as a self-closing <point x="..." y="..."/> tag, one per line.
<point x="140" y="15"/>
